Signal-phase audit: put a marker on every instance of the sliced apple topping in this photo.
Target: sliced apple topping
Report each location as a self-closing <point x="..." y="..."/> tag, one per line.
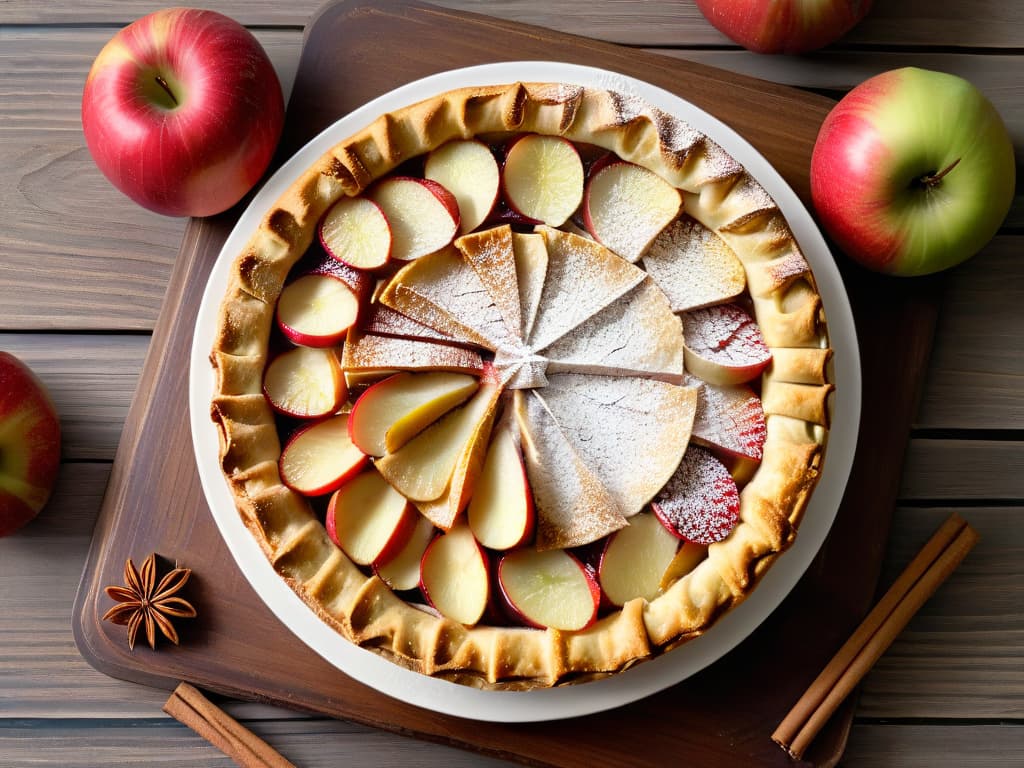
<point x="626" y="206"/>
<point x="366" y="352"/>
<point x="694" y="266"/>
<point x="543" y="178"/>
<point x="317" y="311"/>
<point x="730" y="420"/>
<point x="455" y="577"/>
<point x="468" y="170"/>
<point x="305" y="382"/>
<point x="391" y="412"/>
<point x="356" y="232"/>
<point x="423" y="215"/>
<point x="423" y="467"/>
<point x="402" y="571"/>
<point x="635" y="558"/>
<point x="369" y="519"/>
<point x="551" y="589"/>
<point x="700" y="503"/>
<point x="687" y="557"/>
<point x="724" y="345"/>
<point x="320" y="457"/>
<point x="500" y="513"/>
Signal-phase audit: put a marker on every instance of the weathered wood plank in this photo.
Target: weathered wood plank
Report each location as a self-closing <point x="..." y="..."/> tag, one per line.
<point x="929" y="746"/>
<point x="965" y="470"/>
<point x="72" y="244"/>
<point x="962" y="655"/>
<point x="91" y="379"/>
<point x="973" y="23"/>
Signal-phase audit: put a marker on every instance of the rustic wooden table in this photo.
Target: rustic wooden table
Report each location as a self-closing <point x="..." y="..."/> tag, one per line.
<point x="82" y="278"/>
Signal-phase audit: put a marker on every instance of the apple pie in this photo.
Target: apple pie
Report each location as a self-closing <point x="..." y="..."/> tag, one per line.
<point x="522" y="385"/>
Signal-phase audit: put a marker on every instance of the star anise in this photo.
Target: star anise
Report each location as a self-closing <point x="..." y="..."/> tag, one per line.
<point x="143" y="602"/>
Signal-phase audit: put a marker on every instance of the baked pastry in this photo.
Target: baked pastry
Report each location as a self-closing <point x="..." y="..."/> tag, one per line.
<point x="666" y="471"/>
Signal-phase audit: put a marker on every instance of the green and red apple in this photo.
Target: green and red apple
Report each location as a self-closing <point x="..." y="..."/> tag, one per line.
<point x="182" y="111"/>
<point x="784" y="26"/>
<point x="912" y="172"/>
<point x="29" y="444"/>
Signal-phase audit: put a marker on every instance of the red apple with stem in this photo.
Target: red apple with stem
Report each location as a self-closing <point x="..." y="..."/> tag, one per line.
<point x="912" y="172"/>
<point x="784" y="26"/>
<point x="182" y="111"/>
<point x="29" y="444"/>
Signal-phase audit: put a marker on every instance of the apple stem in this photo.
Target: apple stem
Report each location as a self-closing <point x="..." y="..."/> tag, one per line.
<point x="933" y="179"/>
<point x="167" y="88"/>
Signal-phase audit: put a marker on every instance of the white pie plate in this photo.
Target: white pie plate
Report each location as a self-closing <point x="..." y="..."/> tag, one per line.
<point x="644" y="679"/>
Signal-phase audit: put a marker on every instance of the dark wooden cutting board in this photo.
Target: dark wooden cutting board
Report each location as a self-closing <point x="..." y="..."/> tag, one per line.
<point x="353" y="52"/>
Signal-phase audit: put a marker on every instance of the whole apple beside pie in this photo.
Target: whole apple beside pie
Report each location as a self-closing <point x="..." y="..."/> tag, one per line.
<point x="522" y="385"/>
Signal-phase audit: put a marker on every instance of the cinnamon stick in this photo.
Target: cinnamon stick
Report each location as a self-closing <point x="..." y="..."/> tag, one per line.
<point x="930" y="567"/>
<point x="188" y="706"/>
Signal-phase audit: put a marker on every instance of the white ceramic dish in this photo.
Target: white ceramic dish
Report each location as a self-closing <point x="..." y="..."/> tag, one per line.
<point x="644" y="679"/>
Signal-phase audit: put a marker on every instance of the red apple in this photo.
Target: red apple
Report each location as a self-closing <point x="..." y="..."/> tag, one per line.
<point x="552" y="588"/>
<point x="317" y="310"/>
<point x="320" y="457"/>
<point x="423" y="216"/>
<point x="912" y="172"/>
<point x="29" y="444"/>
<point x="542" y="179"/>
<point x="182" y="111"/>
<point x="455" y="575"/>
<point x="784" y="26"/>
<point x="305" y="382"/>
<point x="370" y="520"/>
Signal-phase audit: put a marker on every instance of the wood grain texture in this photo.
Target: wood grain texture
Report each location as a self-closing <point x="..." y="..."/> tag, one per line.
<point x="965" y="470"/>
<point x="992" y="23"/>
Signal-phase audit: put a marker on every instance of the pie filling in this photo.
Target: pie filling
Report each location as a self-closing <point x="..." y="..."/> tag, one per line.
<point x="539" y="410"/>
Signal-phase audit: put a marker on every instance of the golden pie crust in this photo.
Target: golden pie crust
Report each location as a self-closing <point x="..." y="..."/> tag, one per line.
<point x="796" y="390"/>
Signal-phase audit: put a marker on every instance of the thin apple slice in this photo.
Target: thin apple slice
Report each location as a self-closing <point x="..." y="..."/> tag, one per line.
<point x="319" y="262"/>
<point x="385" y="321"/>
<point x="730" y="421"/>
<point x="626" y="206"/>
<point x="635" y="558"/>
<point x="694" y="266"/>
<point x="724" y="345"/>
<point x="455" y="576"/>
<point x="467" y="169"/>
<point x="402" y="571"/>
<point x="356" y="232"/>
<point x="369" y="519"/>
<point x="320" y="457"/>
<point x="367" y="353"/>
<point x="500" y="513"/>
<point x="700" y="503"/>
<point x="391" y="412"/>
<point x="423" y="215"/>
<point x="543" y="178"/>
<point x="317" y="311"/>
<point x="688" y="557"/>
<point x="423" y="467"/>
<point x="305" y="382"/>
<point x="550" y="589"/>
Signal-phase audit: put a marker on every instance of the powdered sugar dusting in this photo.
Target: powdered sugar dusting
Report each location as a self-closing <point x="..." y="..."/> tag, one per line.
<point x="385" y="321"/>
<point x="700" y="501"/>
<point x="729" y="418"/>
<point x="368" y="352"/>
<point x="490" y="254"/>
<point x="725" y="334"/>
<point x="694" y="266"/>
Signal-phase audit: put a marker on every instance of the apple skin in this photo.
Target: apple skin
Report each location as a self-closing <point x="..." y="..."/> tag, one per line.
<point x="29" y="444"/>
<point x="195" y="153"/>
<point x="784" y="26"/>
<point x="876" y="172"/>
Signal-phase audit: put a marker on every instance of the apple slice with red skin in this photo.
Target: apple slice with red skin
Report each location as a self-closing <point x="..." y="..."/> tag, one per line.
<point x="305" y="382"/>
<point x="723" y="345"/>
<point x="369" y="519"/>
<point x="356" y="232"/>
<point x="501" y="513"/>
<point x="422" y="214"/>
<point x="318" y="262"/>
<point x="402" y="571"/>
<point x="317" y="311"/>
<point x="391" y="412"/>
<point x="467" y="169"/>
<point x="29" y="444"/>
<point x="626" y="206"/>
<point x="320" y="457"/>
<point x="635" y="558"/>
<point x="700" y="502"/>
<point x="542" y="178"/>
<point x="548" y="589"/>
<point x="730" y="421"/>
<point x="455" y="575"/>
